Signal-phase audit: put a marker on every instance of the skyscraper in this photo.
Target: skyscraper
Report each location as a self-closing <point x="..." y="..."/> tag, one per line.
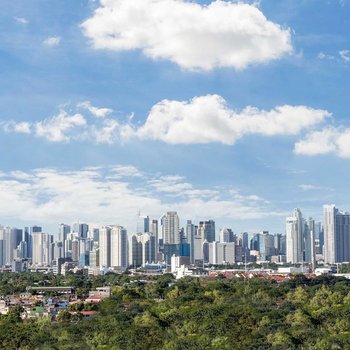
<point x="105" y="246"/>
<point x="190" y="236"/>
<point x="142" y="224"/>
<point x="294" y="237"/>
<point x="206" y="229"/>
<point x="336" y="225"/>
<point x="119" y="247"/>
<point x="42" y="255"/>
<point x="226" y="235"/>
<point x="171" y="228"/>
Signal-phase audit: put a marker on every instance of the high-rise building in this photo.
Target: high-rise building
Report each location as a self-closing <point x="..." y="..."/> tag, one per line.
<point x="119" y="247"/>
<point x="13" y="238"/>
<point x="191" y="231"/>
<point x="206" y="229"/>
<point x="142" y="249"/>
<point x="309" y="241"/>
<point x="294" y="237"/>
<point x="81" y="229"/>
<point x="2" y="246"/>
<point x="336" y="225"/>
<point x="226" y="235"/>
<point x="142" y="224"/>
<point x="154" y="230"/>
<point x="42" y="249"/>
<point x="63" y="231"/>
<point x="266" y="246"/>
<point x="105" y="246"/>
<point x="171" y="228"/>
<point x="222" y="253"/>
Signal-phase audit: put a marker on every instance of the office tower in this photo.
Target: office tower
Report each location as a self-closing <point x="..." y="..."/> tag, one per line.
<point x="2" y="246"/>
<point x="81" y="229"/>
<point x="206" y="229"/>
<point x="42" y="249"/>
<point x="119" y="247"/>
<point x="13" y="238"/>
<point x="226" y="235"/>
<point x="319" y="238"/>
<point x="94" y="257"/>
<point x="142" y="224"/>
<point x="191" y="230"/>
<point x="154" y="230"/>
<point x="222" y="253"/>
<point x="198" y="250"/>
<point x="75" y="250"/>
<point x="58" y="250"/>
<point x="266" y="246"/>
<point x="135" y="257"/>
<point x="294" y="237"/>
<point x="63" y="231"/>
<point x="27" y="237"/>
<point x="280" y="244"/>
<point x="255" y="242"/>
<point x="105" y="246"/>
<point x="244" y="238"/>
<point x="171" y="228"/>
<point x="93" y="234"/>
<point x="336" y="226"/>
<point x="142" y="249"/>
<point x="148" y="241"/>
<point x="309" y="241"/>
<point x="205" y="247"/>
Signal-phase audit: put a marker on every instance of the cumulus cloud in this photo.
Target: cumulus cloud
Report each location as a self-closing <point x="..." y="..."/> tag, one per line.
<point x="208" y="119"/>
<point x="201" y="120"/>
<point x="55" y="129"/>
<point x="52" y="41"/>
<point x="194" y="36"/>
<point x="51" y="196"/>
<point x="97" y="112"/>
<point x="328" y="140"/>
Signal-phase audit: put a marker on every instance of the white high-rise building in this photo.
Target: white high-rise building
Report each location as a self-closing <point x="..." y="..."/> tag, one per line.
<point x="294" y="237"/>
<point x="309" y="241"/>
<point x="119" y="247"/>
<point x="171" y="228"/>
<point x="41" y="249"/>
<point x="336" y="226"/>
<point x="105" y="246"/>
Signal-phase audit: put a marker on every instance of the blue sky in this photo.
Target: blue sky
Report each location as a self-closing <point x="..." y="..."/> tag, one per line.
<point x="236" y="112"/>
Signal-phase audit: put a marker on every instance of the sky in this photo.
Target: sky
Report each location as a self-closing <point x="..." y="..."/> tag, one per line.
<point x="236" y="111"/>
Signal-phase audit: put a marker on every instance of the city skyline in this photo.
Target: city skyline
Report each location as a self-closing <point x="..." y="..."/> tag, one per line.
<point x="101" y="118"/>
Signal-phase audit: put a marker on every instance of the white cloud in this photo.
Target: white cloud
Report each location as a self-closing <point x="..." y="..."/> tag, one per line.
<point x="53" y="196"/>
<point x="57" y="128"/>
<point x="20" y="127"/>
<point x="328" y="140"/>
<point x="97" y="112"/>
<point x="208" y="119"/>
<point x="21" y="20"/>
<point x="323" y="56"/>
<point x="194" y="36"/>
<point x="52" y="41"/>
<point x="107" y="133"/>
<point x="201" y="120"/>
<point x="126" y="171"/>
<point x="344" y="54"/>
<point x="308" y="187"/>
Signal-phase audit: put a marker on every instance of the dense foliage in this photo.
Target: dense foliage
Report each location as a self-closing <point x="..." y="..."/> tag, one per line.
<point x="195" y="314"/>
